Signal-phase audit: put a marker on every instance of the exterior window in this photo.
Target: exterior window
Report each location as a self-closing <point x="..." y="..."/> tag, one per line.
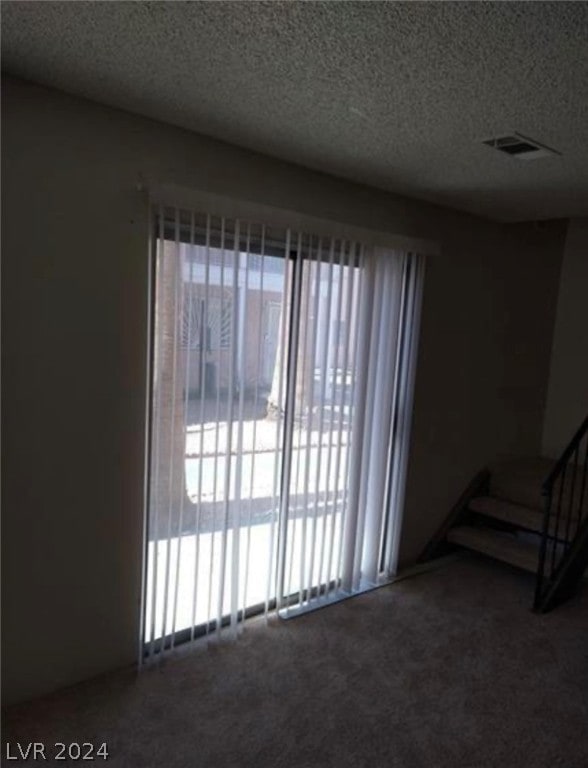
<point x="216" y="325"/>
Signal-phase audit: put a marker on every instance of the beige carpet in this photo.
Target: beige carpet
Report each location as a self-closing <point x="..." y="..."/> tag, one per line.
<point x="447" y="669"/>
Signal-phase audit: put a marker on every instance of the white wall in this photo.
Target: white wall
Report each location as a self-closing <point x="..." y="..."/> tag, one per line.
<point x="567" y="401"/>
<point x="74" y="242"/>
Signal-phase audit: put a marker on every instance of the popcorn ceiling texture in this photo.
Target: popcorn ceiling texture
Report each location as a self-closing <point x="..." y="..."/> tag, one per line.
<point x="395" y="95"/>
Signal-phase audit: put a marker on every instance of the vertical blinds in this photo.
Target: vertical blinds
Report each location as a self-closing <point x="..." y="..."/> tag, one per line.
<point x="278" y="379"/>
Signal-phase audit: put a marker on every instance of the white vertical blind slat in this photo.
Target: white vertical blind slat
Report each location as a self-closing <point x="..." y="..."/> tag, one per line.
<point x="231" y="563"/>
<point x="240" y="326"/>
<point x="154" y="510"/>
<point x="326" y="317"/>
<point x="188" y="347"/>
<point x="292" y="478"/>
<point x="172" y="425"/>
<point x="366" y="455"/>
<point x="306" y="400"/>
<point x="202" y="346"/>
<point x="218" y="569"/>
<point x="351" y="353"/>
<point x="290" y="384"/>
<point x="280" y="398"/>
<point x="299" y="521"/>
<point x="356" y="448"/>
<point x="334" y="368"/>
<point x="255" y="403"/>
<point x="404" y="394"/>
<point x="382" y="426"/>
<point x="341" y="482"/>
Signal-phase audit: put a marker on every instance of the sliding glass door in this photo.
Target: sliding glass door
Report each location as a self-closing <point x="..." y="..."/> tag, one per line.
<point x="276" y="373"/>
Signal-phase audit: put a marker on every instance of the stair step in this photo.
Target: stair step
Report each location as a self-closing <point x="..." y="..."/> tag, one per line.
<point x="499" y="509"/>
<point x="496" y="544"/>
<point x="523" y="517"/>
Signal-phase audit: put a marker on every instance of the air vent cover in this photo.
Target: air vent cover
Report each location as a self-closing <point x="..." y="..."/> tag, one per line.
<point x="520" y="147"/>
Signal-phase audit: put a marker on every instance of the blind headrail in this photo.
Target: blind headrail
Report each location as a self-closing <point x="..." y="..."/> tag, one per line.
<point x="219" y="205"/>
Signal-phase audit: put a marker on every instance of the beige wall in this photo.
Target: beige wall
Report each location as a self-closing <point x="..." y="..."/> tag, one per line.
<point x="74" y="357"/>
<point x="567" y="401"/>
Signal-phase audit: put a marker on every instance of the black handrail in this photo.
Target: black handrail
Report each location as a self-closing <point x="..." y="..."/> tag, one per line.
<point x="556" y="545"/>
<point x="563" y="459"/>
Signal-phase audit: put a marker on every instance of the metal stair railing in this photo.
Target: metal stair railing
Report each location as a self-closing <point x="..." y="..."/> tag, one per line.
<point x="565" y="523"/>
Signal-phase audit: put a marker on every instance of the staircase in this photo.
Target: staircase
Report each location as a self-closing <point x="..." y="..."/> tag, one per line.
<point x="530" y="513"/>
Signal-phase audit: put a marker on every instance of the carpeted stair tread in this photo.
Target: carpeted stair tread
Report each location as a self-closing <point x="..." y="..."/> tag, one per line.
<point x="498" y="545"/>
<point x="523" y="517"/>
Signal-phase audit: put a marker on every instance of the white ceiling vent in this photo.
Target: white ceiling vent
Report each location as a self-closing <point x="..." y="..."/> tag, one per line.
<point x="521" y="147"/>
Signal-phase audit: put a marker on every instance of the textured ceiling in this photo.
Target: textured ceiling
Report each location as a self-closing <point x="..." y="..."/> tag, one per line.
<point x="398" y="95"/>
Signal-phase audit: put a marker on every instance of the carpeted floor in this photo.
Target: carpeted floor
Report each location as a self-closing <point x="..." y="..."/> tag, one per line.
<point x="448" y="669"/>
